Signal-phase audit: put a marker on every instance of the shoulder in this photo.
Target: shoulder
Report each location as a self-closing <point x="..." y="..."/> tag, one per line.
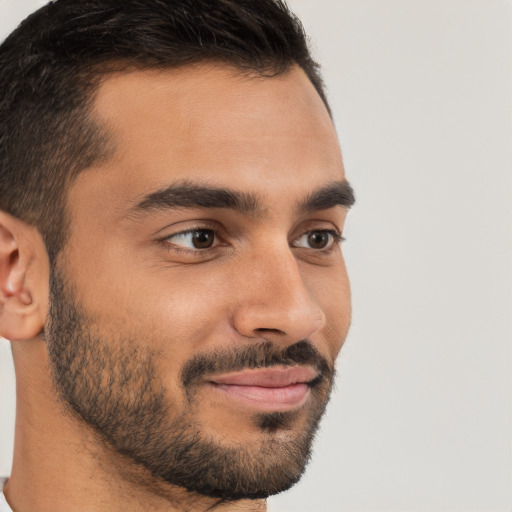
<point x="4" y="506"/>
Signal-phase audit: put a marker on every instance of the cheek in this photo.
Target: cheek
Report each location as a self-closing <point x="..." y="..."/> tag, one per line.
<point x="173" y="311"/>
<point x="331" y="290"/>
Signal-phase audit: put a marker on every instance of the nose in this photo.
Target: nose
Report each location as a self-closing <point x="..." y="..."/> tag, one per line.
<point x="274" y="302"/>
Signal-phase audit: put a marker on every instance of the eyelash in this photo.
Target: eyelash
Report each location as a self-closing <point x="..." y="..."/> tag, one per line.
<point x="337" y="238"/>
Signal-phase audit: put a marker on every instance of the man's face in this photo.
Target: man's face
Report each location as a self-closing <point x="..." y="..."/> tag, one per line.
<point x="202" y="298"/>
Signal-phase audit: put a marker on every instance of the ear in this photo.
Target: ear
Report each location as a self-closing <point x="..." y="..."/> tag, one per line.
<point x="24" y="278"/>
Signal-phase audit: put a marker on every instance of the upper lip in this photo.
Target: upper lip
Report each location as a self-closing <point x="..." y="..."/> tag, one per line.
<point x="275" y="377"/>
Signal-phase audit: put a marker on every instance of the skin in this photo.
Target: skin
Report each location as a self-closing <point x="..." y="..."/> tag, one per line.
<point x="139" y="281"/>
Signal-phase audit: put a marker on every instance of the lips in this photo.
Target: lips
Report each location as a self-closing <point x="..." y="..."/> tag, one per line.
<point x="276" y="377"/>
<point x="272" y="389"/>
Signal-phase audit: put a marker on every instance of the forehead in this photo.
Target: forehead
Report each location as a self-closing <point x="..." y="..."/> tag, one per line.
<point x="210" y="123"/>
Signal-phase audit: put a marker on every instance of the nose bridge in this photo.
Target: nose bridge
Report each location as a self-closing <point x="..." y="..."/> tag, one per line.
<point x="276" y="299"/>
<point x="282" y="275"/>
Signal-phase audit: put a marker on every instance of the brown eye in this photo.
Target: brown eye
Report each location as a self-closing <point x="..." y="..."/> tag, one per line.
<point x="318" y="239"/>
<point x="322" y="239"/>
<point x="203" y="238"/>
<point x="193" y="239"/>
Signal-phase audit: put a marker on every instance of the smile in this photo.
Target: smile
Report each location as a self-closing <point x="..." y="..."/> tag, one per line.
<point x="268" y="389"/>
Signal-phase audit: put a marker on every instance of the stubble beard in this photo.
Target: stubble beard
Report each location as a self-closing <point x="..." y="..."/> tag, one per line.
<point x="115" y="389"/>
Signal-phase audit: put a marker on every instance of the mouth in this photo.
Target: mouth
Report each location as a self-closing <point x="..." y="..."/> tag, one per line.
<point x="273" y="389"/>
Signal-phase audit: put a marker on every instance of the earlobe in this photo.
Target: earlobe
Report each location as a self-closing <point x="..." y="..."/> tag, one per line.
<point x="23" y="279"/>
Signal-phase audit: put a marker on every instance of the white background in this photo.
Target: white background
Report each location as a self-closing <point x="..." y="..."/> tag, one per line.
<point x="422" y="417"/>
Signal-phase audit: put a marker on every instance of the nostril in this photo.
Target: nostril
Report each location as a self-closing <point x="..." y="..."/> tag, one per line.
<point x="263" y="330"/>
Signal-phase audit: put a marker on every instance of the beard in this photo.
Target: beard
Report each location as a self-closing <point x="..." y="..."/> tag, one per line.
<point x="114" y="387"/>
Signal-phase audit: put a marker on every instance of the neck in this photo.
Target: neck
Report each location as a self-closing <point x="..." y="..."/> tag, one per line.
<point x="60" y="464"/>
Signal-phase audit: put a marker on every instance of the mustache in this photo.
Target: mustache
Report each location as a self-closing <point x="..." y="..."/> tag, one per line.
<point x="262" y="355"/>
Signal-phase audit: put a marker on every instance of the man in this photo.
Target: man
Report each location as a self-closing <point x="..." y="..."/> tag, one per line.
<point x="172" y="202"/>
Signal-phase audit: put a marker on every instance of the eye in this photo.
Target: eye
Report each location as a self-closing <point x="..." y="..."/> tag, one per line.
<point x="318" y="240"/>
<point x="193" y="239"/>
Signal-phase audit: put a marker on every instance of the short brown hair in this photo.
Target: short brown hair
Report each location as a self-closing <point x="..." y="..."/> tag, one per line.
<point x="50" y="66"/>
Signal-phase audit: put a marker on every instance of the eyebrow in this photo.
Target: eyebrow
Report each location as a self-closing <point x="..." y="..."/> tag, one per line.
<point x="339" y="193"/>
<point x="191" y="195"/>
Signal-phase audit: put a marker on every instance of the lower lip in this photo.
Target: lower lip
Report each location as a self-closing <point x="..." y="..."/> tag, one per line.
<point x="259" y="397"/>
